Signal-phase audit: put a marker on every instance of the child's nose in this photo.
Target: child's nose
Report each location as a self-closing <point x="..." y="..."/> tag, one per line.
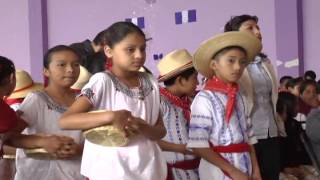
<point x="70" y="68"/>
<point x="139" y="54"/>
<point x="237" y="65"/>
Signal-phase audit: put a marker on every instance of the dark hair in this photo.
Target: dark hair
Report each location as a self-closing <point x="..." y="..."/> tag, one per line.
<point x="293" y="82"/>
<point x="118" y="31"/>
<point x="310" y="74"/>
<point x="100" y="38"/>
<point x="184" y="74"/>
<point x="318" y="87"/>
<point x="55" y="49"/>
<point x="226" y="49"/>
<point x="284" y="78"/>
<point x="305" y="84"/>
<point x="287" y="102"/>
<point x="236" y="21"/>
<point x="6" y="68"/>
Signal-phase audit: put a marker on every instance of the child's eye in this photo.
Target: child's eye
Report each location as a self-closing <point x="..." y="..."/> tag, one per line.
<point x="143" y="49"/>
<point x="130" y="50"/>
<point x="231" y="61"/>
<point x="61" y="64"/>
<point x="76" y="64"/>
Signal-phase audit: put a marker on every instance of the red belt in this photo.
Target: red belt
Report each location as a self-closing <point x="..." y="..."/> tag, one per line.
<point x="232" y="148"/>
<point x="184" y="165"/>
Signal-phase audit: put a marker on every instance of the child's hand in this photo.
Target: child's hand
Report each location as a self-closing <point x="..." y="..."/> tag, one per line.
<point x="186" y="150"/>
<point x="135" y="125"/>
<point x="52" y="143"/>
<point x="68" y="150"/>
<point x="237" y="174"/>
<point x="121" y="118"/>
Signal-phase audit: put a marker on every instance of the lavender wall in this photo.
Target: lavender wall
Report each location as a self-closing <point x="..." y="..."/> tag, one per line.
<point x="311" y="35"/>
<point x="26" y="34"/>
<point x="14" y="32"/>
<point x="86" y="19"/>
<point x="288" y="37"/>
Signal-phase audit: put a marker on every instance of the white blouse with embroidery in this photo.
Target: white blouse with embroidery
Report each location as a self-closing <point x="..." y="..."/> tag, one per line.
<point x="141" y="158"/>
<point x="41" y="114"/>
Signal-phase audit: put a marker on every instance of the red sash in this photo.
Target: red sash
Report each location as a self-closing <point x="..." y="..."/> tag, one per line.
<point x="184" y="165"/>
<point x="232" y="148"/>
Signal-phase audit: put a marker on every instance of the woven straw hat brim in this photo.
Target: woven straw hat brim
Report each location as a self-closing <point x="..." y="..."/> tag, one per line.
<point x="24" y="93"/>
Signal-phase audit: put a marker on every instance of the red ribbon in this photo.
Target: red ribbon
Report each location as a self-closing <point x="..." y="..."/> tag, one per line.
<point x="231" y="89"/>
<point x="183" y="103"/>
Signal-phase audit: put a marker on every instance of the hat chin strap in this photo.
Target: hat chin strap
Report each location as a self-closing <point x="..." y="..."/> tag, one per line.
<point x="24" y="88"/>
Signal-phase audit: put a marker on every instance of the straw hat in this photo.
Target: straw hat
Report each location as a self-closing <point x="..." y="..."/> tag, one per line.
<point x="24" y="85"/>
<point x="203" y="55"/>
<point x="83" y="78"/>
<point x="174" y="63"/>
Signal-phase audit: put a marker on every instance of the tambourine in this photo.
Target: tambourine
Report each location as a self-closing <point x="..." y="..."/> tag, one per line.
<point x="39" y="153"/>
<point x="107" y="135"/>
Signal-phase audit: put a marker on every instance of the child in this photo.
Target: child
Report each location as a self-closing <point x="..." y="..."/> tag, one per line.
<point x="8" y="118"/>
<point x="180" y="80"/>
<point x="24" y="85"/>
<point x="293" y="85"/>
<point x="7" y="84"/>
<point x="131" y="100"/>
<point x="219" y="132"/>
<point x="40" y="111"/>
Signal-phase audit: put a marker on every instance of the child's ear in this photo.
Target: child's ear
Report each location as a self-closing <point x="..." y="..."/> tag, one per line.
<point x="46" y="72"/>
<point x="12" y="77"/>
<point x="107" y="51"/>
<point x="213" y="64"/>
<point x="179" y="80"/>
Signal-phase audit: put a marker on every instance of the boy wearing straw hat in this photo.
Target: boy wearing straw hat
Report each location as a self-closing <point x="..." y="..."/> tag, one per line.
<point x="219" y="131"/>
<point x="180" y="80"/>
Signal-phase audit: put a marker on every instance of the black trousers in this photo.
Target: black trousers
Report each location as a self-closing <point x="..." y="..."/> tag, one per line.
<point x="268" y="155"/>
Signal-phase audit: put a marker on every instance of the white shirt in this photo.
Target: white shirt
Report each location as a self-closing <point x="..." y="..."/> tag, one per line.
<point x="42" y="113"/>
<point x="141" y="159"/>
<point x="177" y="133"/>
<point x="208" y="124"/>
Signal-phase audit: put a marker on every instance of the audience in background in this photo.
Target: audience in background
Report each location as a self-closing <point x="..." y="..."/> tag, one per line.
<point x="283" y="83"/>
<point x="91" y="53"/>
<point x="294" y="157"/>
<point x="310" y="75"/>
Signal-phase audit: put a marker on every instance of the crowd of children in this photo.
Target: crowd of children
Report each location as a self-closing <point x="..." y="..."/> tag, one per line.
<point x="232" y="128"/>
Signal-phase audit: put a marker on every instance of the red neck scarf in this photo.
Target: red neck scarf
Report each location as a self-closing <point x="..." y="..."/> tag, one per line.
<point x="216" y="84"/>
<point x="183" y="103"/>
